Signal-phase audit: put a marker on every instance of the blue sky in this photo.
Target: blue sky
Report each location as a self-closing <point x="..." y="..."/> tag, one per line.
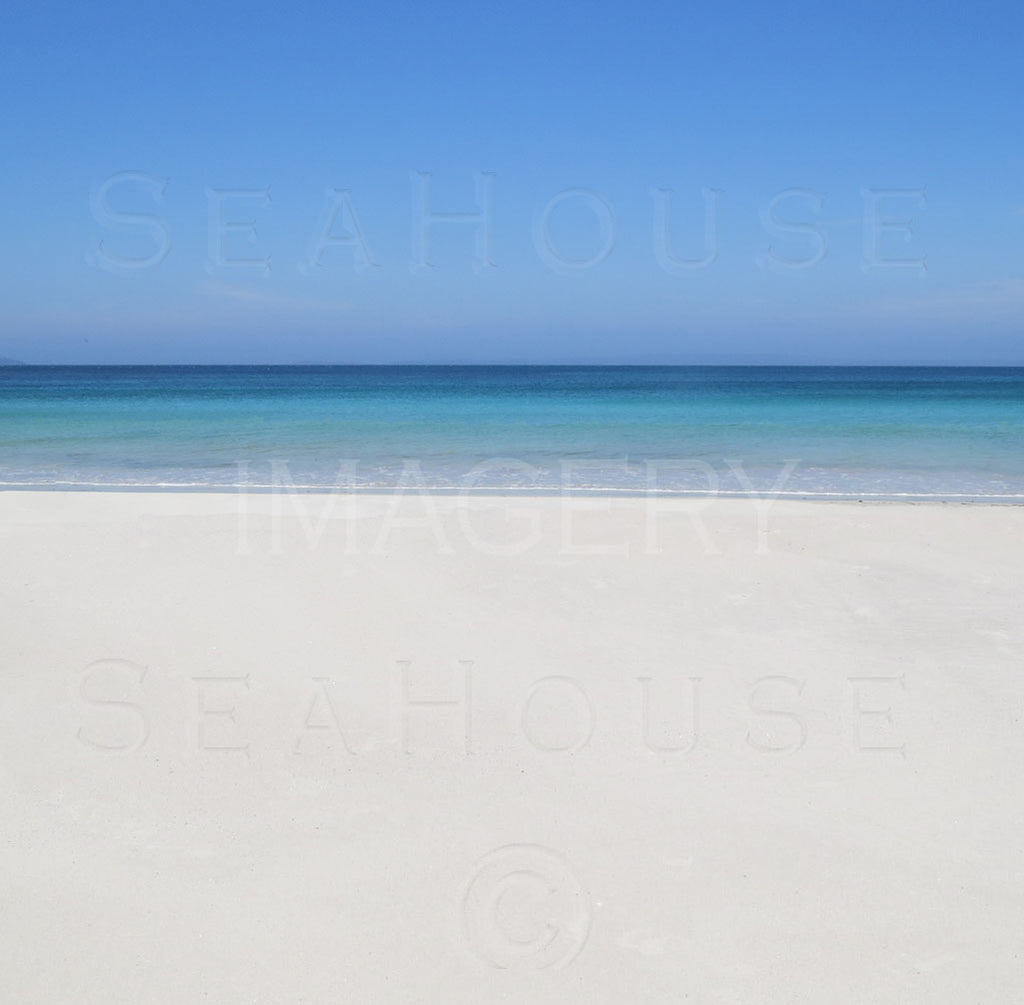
<point x="795" y="141"/>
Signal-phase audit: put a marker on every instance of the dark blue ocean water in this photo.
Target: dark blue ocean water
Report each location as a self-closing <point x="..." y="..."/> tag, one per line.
<point x="847" y="431"/>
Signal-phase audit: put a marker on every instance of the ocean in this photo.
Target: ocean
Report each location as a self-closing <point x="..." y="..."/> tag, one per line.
<point x="813" y="432"/>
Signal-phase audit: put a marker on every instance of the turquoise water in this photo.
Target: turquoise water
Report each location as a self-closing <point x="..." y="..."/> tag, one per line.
<point x="843" y="431"/>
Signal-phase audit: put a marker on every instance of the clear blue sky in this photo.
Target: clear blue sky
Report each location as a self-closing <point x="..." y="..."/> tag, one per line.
<point x="130" y="132"/>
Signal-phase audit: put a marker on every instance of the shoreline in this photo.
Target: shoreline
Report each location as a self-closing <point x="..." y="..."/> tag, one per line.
<point x="519" y="492"/>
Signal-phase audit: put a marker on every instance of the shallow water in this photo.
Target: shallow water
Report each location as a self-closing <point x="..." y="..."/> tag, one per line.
<point x="889" y="432"/>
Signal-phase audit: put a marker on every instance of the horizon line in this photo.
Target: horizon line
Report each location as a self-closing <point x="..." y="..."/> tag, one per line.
<point x="14" y="364"/>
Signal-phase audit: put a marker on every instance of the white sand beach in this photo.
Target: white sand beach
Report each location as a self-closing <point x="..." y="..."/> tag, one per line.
<point x="374" y="749"/>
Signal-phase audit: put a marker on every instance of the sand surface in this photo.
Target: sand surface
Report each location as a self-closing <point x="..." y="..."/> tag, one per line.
<point x="323" y="749"/>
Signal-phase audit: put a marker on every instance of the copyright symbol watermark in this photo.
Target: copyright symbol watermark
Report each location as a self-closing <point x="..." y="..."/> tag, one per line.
<point x="524" y="909"/>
